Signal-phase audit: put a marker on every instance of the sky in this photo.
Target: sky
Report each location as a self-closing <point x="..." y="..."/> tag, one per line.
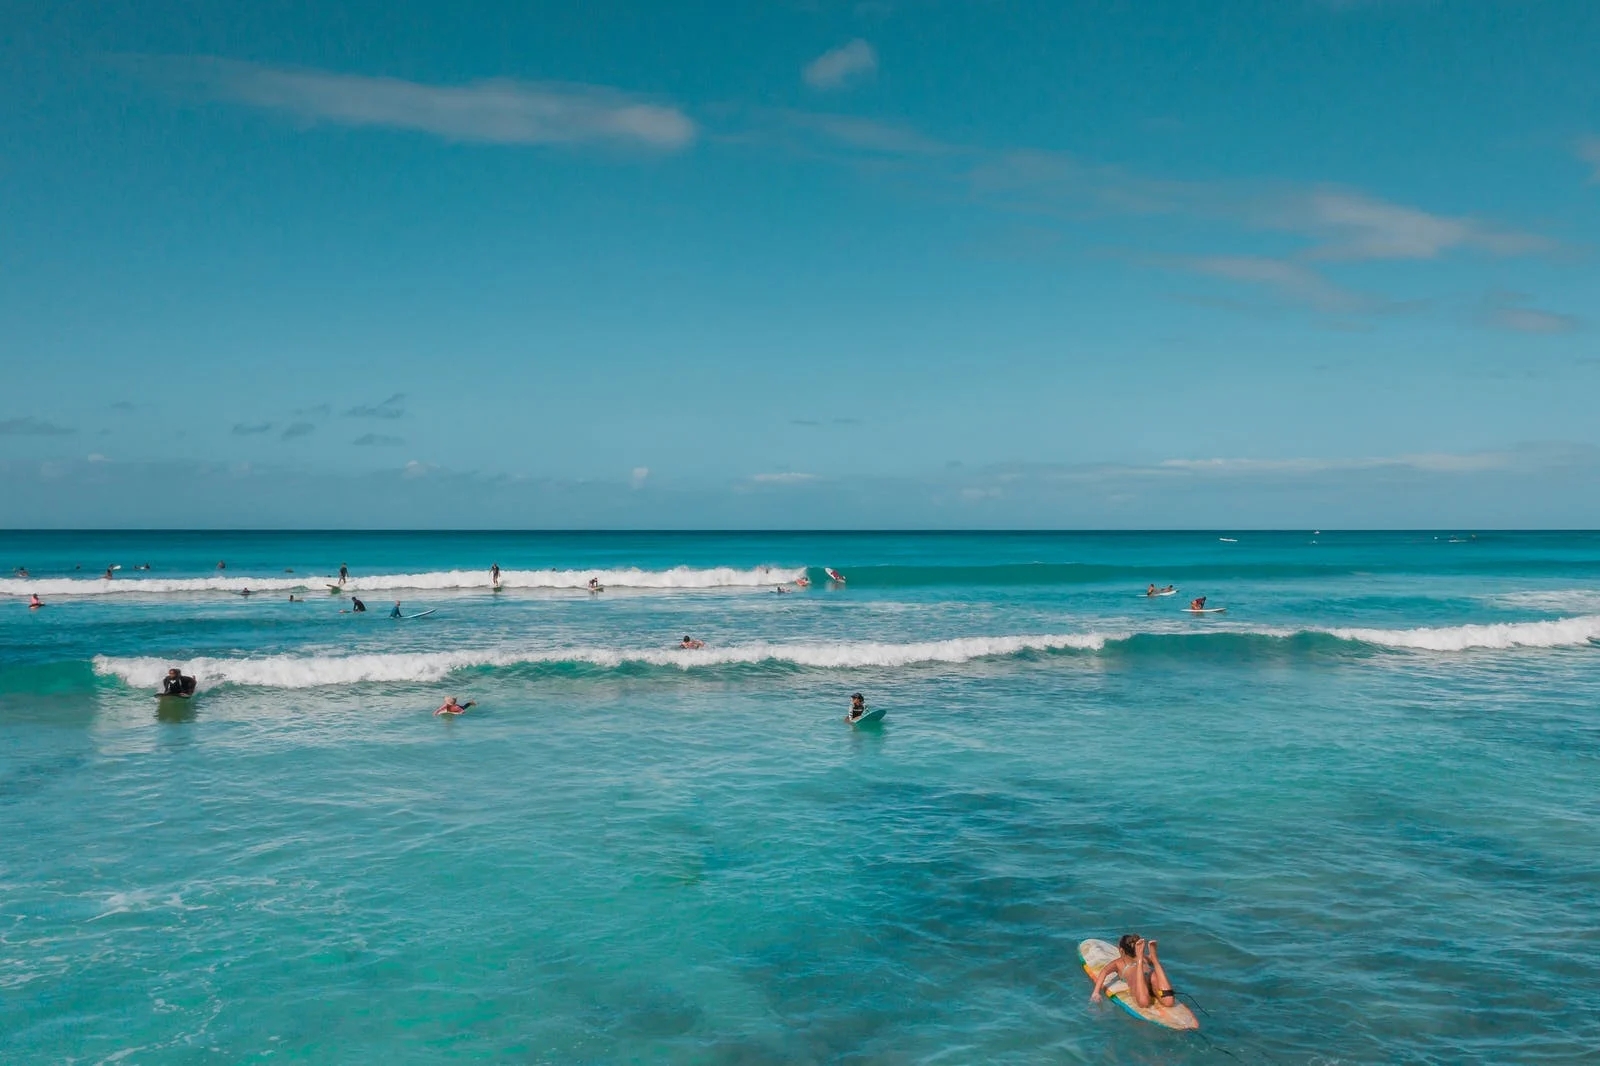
<point x="886" y="264"/>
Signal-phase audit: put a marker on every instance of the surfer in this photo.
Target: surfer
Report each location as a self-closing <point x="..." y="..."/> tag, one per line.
<point x="357" y="606"/>
<point x="858" y="706"/>
<point x="177" y="683"/>
<point x="110" y="572"/>
<point x="1140" y="970"/>
<point x="802" y="582"/>
<point x="245" y="591"/>
<point x="221" y="565"/>
<point x="452" y="707"/>
<point x="1151" y="591"/>
<point x="690" y="643"/>
<point x="396" y="612"/>
<point x="22" y="571"/>
<point x="594" y="584"/>
<point x="1197" y="604"/>
<point x="344" y="573"/>
<point x="35" y="602"/>
<point x="494" y="575"/>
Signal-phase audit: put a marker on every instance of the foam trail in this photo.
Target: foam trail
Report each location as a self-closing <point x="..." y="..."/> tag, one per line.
<point x="1560" y="633"/>
<point x="309" y="671"/>
<point x="681" y="577"/>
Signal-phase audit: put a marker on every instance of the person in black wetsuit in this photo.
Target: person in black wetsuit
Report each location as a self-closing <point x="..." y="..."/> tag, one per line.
<point x="344" y="573"/>
<point x="357" y="606"/>
<point x="177" y="683"/>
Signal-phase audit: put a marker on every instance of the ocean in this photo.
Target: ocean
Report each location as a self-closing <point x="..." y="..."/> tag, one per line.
<point x="1360" y="809"/>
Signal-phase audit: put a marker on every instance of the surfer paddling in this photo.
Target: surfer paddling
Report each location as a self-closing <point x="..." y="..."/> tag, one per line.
<point x="452" y="707"/>
<point x="1141" y="970"/>
<point x="1197" y="604"/>
<point x="690" y="643"/>
<point x="177" y="683"/>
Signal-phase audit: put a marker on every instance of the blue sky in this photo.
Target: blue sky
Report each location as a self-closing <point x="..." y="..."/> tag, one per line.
<point x="1282" y="262"/>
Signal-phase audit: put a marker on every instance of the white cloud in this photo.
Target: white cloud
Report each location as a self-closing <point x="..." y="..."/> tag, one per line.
<point x="1353" y="226"/>
<point x="496" y="112"/>
<point x="784" y="478"/>
<point x="640" y="475"/>
<point x="416" y="469"/>
<point x="1290" y="280"/>
<point x="869" y="135"/>
<point x="1505" y="310"/>
<point x="835" y="69"/>
<point x="1436" y="462"/>
<point x="95" y="457"/>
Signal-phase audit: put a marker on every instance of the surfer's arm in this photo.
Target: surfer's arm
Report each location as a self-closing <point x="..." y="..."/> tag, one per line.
<point x="1107" y="972"/>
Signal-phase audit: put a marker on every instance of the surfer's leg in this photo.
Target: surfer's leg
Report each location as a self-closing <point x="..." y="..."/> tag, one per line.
<point x="1138" y="978"/>
<point x="1160" y="986"/>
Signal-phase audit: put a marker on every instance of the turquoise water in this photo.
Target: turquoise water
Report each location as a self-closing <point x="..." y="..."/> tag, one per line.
<point x="1359" y="810"/>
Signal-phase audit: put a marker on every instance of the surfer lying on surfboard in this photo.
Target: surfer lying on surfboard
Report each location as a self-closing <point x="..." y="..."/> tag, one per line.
<point x="690" y="643"/>
<point x="1140" y="969"/>
<point x="452" y="707"/>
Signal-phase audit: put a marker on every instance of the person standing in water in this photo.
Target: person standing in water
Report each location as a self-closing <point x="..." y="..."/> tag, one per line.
<point x="344" y="573"/>
<point x="494" y="575"/>
<point x="396" y="612"/>
<point x="110" y="572"/>
<point x="1141" y="970"/>
<point x="34" y="601"/>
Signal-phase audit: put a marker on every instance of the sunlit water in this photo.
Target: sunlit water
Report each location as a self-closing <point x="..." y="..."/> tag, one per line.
<point x="1359" y="810"/>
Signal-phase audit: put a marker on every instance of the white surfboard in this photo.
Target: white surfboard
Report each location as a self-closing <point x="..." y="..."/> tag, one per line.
<point x="1204" y="610"/>
<point x="1162" y="592"/>
<point x="833" y="575"/>
<point x="1096" y="955"/>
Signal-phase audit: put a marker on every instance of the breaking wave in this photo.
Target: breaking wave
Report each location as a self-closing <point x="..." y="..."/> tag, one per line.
<point x="681" y="577"/>
<point x="309" y="671"/>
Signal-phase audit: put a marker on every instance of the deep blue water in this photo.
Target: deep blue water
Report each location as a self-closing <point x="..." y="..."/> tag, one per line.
<point x="1358" y="809"/>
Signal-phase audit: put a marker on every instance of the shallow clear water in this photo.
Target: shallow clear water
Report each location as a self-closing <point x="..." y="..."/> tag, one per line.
<point x="1358" y="809"/>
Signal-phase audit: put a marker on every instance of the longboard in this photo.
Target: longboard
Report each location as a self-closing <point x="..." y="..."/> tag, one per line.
<point x="1162" y="592"/>
<point x="1204" y="610"/>
<point x="870" y="716"/>
<point x="420" y="614"/>
<point x="833" y="575"/>
<point x="1097" y="954"/>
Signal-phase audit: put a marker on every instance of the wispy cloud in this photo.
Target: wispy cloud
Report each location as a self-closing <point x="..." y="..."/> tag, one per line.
<point x="415" y="468"/>
<point x="1588" y="149"/>
<point x="393" y="407"/>
<point x="320" y="410"/>
<point x="1351" y="226"/>
<point x="377" y="440"/>
<point x="640" y="475"/>
<point x="298" y="429"/>
<point x="1435" y="462"/>
<point x="33" y="427"/>
<point x="783" y="478"/>
<point x="868" y="135"/>
<point x="491" y="112"/>
<point x="1507" y="310"/>
<point x="250" y="429"/>
<point x="838" y="67"/>
<point x="1289" y="280"/>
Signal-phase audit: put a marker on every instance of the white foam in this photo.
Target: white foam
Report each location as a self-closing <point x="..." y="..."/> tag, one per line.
<point x="1585" y="601"/>
<point x="681" y="577"/>
<point x="308" y="671"/>
<point x="1560" y="633"/>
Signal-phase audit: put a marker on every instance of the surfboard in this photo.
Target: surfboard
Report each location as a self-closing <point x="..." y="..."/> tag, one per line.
<point x="833" y="575"/>
<point x="1204" y="610"/>
<point x="1162" y="592"/>
<point x="598" y="588"/>
<point x="335" y="588"/>
<point x="421" y="614"/>
<point x="1229" y="540"/>
<point x="1096" y="955"/>
<point x="868" y="718"/>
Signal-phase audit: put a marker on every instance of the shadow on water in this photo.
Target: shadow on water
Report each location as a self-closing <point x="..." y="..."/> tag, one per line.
<point x="175" y="710"/>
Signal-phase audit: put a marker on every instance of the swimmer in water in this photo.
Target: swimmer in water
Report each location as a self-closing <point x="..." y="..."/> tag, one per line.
<point x="1141" y="970"/>
<point x="396" y="612"/>
<point x="452" y="707"/>
<point x="34" y="602"/>
<point x="690" y="643"/>
<point x="858" y="706"/>
<point x="494" y="575"/>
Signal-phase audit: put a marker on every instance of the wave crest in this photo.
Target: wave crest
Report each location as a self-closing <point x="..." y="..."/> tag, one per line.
<point x="681" y="577"/>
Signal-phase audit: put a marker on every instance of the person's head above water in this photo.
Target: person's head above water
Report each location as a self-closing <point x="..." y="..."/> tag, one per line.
<point x="172" y="672"/>
<point x="1129" y="943"/>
